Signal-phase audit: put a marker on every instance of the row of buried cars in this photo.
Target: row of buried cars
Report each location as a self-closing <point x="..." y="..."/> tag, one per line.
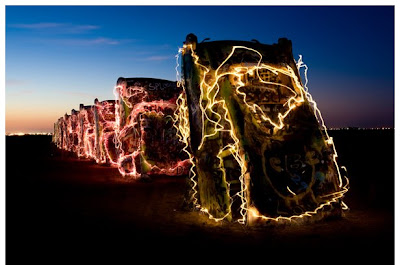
<point x="259" y="149"/>
<point x="135" y="132"/>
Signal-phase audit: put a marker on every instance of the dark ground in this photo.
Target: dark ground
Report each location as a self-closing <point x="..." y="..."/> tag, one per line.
<point x="60" y="209"/>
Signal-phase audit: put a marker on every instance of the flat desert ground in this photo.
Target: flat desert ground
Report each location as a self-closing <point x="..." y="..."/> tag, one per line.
<point x="61" y="209"/>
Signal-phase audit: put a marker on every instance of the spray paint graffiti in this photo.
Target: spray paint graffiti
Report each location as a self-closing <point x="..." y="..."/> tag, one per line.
<point x="135" y="133"/>
<point x="146" y="136"/>
<point x="86" y="132"/>
<point x="258" y="142"/>
<point x="240" y="123"/>
<point x="104" y="121"/>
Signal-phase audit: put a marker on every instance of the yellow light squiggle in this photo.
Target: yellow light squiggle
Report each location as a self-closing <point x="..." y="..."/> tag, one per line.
<point x="209" y="91"/>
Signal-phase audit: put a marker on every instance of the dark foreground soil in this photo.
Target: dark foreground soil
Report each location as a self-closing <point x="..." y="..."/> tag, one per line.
<point x="60" y="209"/>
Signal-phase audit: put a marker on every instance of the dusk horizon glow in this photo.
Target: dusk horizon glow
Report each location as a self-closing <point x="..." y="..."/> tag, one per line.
<point x="63" y="56"/>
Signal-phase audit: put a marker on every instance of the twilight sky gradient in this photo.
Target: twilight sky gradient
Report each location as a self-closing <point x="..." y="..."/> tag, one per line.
<point x="60" y="56"/>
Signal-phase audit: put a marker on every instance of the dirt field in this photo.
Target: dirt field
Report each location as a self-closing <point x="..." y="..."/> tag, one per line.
<point x="60" y="209"/>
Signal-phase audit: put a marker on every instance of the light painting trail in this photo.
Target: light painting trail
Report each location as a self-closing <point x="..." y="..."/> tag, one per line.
<point x="86" y="132"/>
<point x="104" y="120"/>
<point x="239" y="123"/>
<point x="135" y="133"/>
<point x="145" y="134"/>
<point x="257" y="139"/>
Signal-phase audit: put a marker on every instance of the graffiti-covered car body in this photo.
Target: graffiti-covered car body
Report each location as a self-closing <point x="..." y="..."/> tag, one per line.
<point x="259" y="148"/>
<point x="146" y="135"/>
<point x="87" y="138"/>
<point x="104" y="123"/>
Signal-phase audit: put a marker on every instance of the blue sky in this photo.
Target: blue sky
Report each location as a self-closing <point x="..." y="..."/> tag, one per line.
<point x="60" y="56"/>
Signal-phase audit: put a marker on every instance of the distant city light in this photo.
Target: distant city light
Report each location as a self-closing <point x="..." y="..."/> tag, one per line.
<point x="29" y="133"/>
